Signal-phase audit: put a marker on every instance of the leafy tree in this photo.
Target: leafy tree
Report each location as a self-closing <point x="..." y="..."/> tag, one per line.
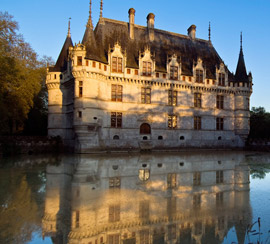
<point x="259" y="123"/>
<point x="21" y="76"/>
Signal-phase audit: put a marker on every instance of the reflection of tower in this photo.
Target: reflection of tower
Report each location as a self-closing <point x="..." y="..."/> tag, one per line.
<point x="55" y="222"/>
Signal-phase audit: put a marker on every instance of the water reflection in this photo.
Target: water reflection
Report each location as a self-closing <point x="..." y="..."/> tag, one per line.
<point x="126" y="199"/>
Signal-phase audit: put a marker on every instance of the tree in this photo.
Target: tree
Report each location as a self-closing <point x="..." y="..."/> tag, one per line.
<point x="21" y="76"/>
<point x="259" y="123"/>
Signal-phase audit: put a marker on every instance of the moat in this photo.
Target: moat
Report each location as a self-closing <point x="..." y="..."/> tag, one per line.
<point x="187" y="197"/>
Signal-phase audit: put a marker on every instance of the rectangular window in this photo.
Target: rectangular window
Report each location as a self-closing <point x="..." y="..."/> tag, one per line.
<point x="105" y="67"/>
<point x="197" y="178"/>
<point x="79" y="60"/>
<point x="197" y="201"/>
<point x="219" y="123"/>
<point x="87" y="62"/>
<point x="221" y="223"/>
<point x="157" y="75"/>
<point x="144" y="237"/>
<point x="114" y="239"/>
<point x="147" y="68"/>
<point x="80" y="114"/>
<point x="80" y="88"/>
<point x="116" y="120"/>
<point x="172" y="232"/>
<point x="114" y="213"/>
<point x="172" y="98"/>
<point x="144" y="210"/>
<point x="219" y="176"/>
<point x="184" y="78"/>
<point x="199" y="76"/>
<point x="197" y="100"/>
<point x="128" y="71"/>
<point x="99" y="65"/>
<point x="189" y="78"/>
<point x="77" y="220"/>
<point x="94" y="64"/>
<point x="146" y="95"/>
<point x="221" y="79"/>
<point x="117" y="64"/>
<point x="172" y="121"/>
<point x="114" y="182"/>
<point x="117" y="93"/>
<point x="164" y="76"/>
<point x="197" y="123"/>
<point x="219" y="199"/>
<point x="220" y="101"/>
<point x="173" y="72"/>
<point x="136" y="72"/>
<point x="171" y="181"/>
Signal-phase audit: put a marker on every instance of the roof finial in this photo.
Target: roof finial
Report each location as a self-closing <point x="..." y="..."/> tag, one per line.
<point x="90" y="23"/>
<point x="69" y="35"/>
<point x="241" y="41"/>
<point x="209" y="32"/>
<point x="101" y="9"/>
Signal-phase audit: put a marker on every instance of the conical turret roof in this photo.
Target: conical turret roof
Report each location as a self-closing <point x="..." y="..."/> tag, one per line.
<point x="241" y="72"/>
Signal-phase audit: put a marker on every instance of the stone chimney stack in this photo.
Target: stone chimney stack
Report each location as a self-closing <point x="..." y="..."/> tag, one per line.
<point x="150" y="26"/>
<point x="192" y="32"/>
<point x="131" y="13"/>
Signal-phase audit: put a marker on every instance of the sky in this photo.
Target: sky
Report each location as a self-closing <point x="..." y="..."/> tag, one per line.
<point x="44" y="25"/>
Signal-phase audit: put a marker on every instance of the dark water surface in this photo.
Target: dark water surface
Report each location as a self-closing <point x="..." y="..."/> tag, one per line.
<point x="195" y="197"/>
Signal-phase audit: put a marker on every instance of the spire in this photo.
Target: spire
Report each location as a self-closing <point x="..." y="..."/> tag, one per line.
<point x="101" y="9"/>
<point x="89" y="22"/>
<point x="69" y="35"/>
<point x="241" y="72"/>
<point x="209" y="32"/>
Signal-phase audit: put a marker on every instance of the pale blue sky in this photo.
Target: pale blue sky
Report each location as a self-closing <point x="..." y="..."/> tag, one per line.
<point x="44" y="25"/>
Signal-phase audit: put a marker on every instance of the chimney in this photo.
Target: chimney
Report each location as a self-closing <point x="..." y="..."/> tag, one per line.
<point x="131" y="13"/>
<point x="192" y="32"/>
<point x="150" y="26"/>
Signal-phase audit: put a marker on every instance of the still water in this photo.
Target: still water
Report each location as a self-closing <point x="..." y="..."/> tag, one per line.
<point x="203" y="197"/>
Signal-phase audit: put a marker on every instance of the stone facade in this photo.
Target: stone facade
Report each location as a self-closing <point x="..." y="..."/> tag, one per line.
<point x="133" y="87"/>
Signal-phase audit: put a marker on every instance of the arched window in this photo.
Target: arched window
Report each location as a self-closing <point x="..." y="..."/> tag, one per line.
<point x="116" y="137"/>
<point x="145" y="129"/>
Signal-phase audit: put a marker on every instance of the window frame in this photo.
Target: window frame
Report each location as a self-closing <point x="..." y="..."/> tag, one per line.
<point x="173" y="72"/>
<point x="197" y="100"/>
<point x="197" y="123"/>
<point x="116" y="119"/>
<point x="145" y="95"/>
<point x="116" y="93"/>
<point x="172" y="121"/>
<point x="219" y="123"/>
<point x="117" y="64"/>
<point x="220" y="101"/>
<point x="172" y="97"/>
<point x="221" y="79"/>
<point x="147" y="68"/>
<point x="199" y="76"/>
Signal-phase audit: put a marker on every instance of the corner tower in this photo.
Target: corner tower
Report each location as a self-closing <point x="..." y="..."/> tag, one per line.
<point x="243" y="84"/>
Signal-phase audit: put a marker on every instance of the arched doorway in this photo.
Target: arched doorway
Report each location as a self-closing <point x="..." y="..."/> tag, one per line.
<point x="145" y="129"/>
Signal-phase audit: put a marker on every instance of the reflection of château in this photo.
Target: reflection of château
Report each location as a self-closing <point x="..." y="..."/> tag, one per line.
<point x="148" y="199"/>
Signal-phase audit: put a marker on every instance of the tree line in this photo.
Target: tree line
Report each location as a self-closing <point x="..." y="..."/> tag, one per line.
<point x="23" y="96"/>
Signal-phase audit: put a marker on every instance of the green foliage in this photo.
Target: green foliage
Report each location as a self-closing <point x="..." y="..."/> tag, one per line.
<point x="21" y="76"/>
<point x="259" y="124"/>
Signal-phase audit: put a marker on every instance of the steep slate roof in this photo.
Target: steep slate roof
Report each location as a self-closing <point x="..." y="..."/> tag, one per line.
<point x="241" y="72"/>
<point x="108" y="32"/>
<point x="61" y="63"/>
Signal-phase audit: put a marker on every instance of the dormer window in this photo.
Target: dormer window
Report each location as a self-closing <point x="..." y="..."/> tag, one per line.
<point x="117" y="64"/>
<point x="199" y="76"/>
<point x="147" y="68"/>
<point x="173" y="72"/>
<point x="221" y="79"/>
